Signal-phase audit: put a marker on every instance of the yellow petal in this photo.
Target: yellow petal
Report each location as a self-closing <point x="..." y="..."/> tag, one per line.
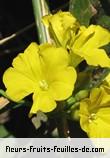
<point x="82" y="37"/>
<point x="29" y="62"/>
<point x="18" y="85"/>
<point x="95" y="114"/>
<point x="84" y="114"/>
<point x="104" y="114"/>
<point x="105" y="98"/>
<point x="95" y="98"/>
<point x="95" y="94"/>
<point x="96" y="57"/>
<point x="97" y="128"/>
<point x="75" y="59"/>
<point x="43" y="101"/>
<point x="92" y="37"/>
<point x="101" y="124"/>
<point x="100" y="37"/>
<point x="107" y="79"/>
<point x="62" y="83"/>
<point x="87" y="42"/>
<point x="46" y="19"/>
<point x="100" y="130"/>
<point x="54" y="57"/>
<point x="61" y="26"/>
<point x="99" y="97"/>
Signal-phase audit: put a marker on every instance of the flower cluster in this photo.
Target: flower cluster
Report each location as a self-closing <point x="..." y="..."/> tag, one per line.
<point x="49" y="71"/>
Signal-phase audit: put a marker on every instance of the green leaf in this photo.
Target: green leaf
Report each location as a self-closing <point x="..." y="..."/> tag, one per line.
<point x="82" y="10"/>
<point x="95" y="2"/>
<point x="3" y="132"/>
<point x="104" y="21"/>
<point x="2" y="93"/>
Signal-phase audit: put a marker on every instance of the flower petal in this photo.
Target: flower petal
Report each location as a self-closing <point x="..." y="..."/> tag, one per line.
<point x="107" y="79"/>
<point x="61" y="25"/>
<point x="84" y="114"/>
<point x="42" y="101"/>
<point x="62" y="83"/>
<point x="102" y="59"/>
<point x="82" y="37"/>
<point x="100" y="37"/>
<point x="75" y="59"/>
<point x="96" y="98"/>
<point x="99" y="128"/>
<point x="92" y="37"/>
<point x="87" y="42"/>
<point x="54" y="57"/>
<point x="17" y="84"/>
<point x="95" y="114"/>
<point x="29" y="62"/>
<point x="104" y="114"/>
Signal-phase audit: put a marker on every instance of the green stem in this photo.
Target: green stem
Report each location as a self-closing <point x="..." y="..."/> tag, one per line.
<point x="41" y="9"/>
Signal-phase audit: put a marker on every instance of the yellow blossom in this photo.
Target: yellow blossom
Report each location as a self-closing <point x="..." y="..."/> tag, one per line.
<point x="87" y="46"/>
<point x="83" y="43"/>
<point x="44" y="71"/>
<point x="107" y="79"/>
<point x="62" y="26"/>
<point x="95" y="114"/>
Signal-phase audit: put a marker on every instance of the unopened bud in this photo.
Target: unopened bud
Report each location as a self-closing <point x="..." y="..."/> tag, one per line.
<point x="81" y="95"/>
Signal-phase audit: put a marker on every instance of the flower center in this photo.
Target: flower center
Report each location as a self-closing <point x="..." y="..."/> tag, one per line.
<point x="92" y="117"/>
<point x="43" y="85"/>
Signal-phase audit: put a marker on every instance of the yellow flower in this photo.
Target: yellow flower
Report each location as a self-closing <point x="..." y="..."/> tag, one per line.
<point x="107" y="79"/>
<point x="87" y="46"/>
<point x="44" y="71"/>
<point x="62" y="26"/>
<point x="95" y="114"/>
